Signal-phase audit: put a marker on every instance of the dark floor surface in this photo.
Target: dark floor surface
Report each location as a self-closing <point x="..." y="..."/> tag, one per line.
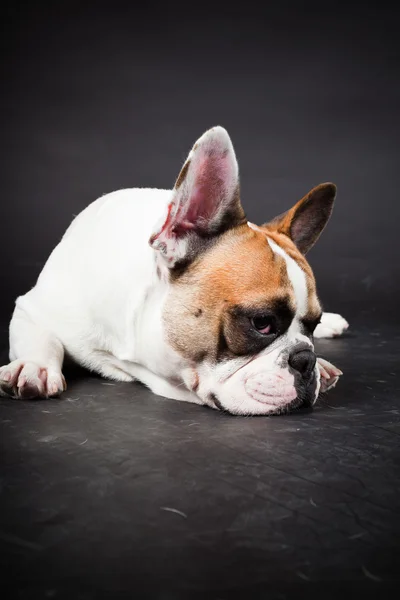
<point x="112" y="491"/>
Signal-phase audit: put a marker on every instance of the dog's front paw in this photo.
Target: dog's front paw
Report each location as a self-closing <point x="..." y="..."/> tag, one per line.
<point x="332" y="325"/>
<point x="329" y="374"/>
<point x="28" y="380"/>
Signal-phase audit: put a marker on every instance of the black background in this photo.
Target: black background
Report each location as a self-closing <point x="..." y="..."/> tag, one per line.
<point x="111" y="96"/>
<point x="100" y="98"/>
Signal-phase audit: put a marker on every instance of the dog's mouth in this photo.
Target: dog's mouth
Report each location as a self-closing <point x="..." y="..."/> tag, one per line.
<point x="264" y="409"/>
<point x="307" y="391"/>
<point x="267" y="403"/>
<point x="268" y="410"/>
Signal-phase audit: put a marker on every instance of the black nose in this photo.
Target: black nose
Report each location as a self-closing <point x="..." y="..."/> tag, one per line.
<point x="303" y="361"/>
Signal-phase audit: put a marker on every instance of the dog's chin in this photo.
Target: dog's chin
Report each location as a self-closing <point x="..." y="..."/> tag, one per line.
<point x="258" y="402"/>
<point x="247" y="405"/>
<point x="250" y="407"/>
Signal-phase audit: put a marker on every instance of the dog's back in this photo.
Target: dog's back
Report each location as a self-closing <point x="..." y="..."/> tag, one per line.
<point x="95" y="278"/>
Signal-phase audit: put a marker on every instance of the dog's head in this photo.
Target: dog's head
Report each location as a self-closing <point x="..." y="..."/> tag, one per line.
<point x="242" y="303"/>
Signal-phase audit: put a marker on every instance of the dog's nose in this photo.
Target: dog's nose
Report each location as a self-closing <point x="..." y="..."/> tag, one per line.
<point x="303" y="361"/>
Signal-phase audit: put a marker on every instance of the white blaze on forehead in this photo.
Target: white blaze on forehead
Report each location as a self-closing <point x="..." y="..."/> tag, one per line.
<point x="297" y="278"/>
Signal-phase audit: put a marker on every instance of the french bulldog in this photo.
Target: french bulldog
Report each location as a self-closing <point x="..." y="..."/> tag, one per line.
<point x="176" y="289"/>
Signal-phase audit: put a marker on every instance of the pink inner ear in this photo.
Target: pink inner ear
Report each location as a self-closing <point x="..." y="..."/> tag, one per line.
<point x="213" y="181"/>
<point x="208" y="185"/>
<point x="200" y="205"/>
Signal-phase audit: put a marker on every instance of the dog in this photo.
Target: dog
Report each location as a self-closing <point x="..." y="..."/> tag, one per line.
<point x="176" y="289"/>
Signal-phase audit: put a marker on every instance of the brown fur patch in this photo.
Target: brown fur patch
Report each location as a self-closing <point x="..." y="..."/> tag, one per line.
<point x="241" y="270"/>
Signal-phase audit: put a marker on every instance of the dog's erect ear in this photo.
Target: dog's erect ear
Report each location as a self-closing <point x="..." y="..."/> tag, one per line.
<point x="205" y="201"/>
<point x="305" y="222"/>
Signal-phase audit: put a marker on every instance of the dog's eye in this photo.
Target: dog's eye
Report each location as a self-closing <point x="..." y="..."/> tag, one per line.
<point x="264" y="324"/>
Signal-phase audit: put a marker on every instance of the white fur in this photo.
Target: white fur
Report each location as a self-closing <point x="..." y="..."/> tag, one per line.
<point x="298" y="282"/>
<point x="332" y="325"/>
<point x="98" y="294"/>
<point x="297" y="279"/>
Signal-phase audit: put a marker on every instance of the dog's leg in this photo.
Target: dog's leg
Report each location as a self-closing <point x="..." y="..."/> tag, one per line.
<point x="160" y="386"/>
<point x="332" y="325"/>
<point x="36" y="359"/>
